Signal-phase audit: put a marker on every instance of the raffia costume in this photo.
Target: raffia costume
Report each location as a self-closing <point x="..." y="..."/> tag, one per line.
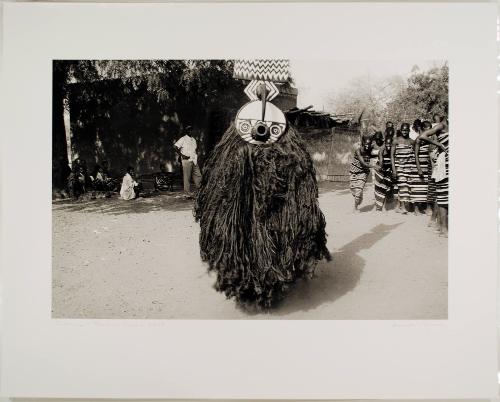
<point x="261" y="225"/>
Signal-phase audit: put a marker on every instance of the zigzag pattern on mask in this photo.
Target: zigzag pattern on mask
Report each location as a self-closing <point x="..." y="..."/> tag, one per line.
<point x="265" y="70"/>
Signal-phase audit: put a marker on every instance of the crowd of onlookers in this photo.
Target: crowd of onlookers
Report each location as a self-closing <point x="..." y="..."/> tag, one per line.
<point x="81" y="181"/>
<point x="410" y="167"/>
<point x="78" y="182"/>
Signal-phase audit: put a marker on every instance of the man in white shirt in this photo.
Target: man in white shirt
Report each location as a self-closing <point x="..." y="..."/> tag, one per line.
<point x="186" y="148"/>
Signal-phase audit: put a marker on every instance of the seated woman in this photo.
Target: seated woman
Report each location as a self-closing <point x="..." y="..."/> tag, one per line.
<point x="82" y="163"/>
<point x="76" y="182"/>
<point x="101" y="181"/>
<point x="96" y="176"/>
<point x="130" y="188"/>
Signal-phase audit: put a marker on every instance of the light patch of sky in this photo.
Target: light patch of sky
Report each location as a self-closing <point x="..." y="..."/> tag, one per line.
<point x="319" y="80"/>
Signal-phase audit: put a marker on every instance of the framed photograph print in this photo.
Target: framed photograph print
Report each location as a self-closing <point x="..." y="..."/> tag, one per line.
<point x="249" y="200"/>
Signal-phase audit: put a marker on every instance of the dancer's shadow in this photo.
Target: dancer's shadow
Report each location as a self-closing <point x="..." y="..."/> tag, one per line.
<point x="335" y="278"/>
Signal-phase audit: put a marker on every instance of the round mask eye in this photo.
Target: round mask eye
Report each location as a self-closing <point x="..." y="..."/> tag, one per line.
<point x="245" y="127"/>
<point x="275" y="130"/>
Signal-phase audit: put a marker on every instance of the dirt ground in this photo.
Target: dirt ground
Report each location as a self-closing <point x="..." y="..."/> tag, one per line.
<point x="140" y="259"/>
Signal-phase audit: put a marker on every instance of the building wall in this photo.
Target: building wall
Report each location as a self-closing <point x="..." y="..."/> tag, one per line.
<point x="331" y="151"/>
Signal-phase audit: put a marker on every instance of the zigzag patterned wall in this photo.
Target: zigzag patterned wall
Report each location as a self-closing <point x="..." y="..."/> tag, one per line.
<point x="264" y="70"/>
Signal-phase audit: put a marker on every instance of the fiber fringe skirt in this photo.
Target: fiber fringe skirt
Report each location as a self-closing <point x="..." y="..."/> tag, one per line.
<point x="261" y="225"/>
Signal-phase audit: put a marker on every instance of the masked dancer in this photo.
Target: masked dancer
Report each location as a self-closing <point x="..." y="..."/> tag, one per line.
<point x="261" y="225"/>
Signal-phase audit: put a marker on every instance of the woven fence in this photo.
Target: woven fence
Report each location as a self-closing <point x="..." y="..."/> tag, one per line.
<point x="331" y="151"/>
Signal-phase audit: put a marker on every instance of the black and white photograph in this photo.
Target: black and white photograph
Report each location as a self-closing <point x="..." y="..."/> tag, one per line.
<point x="250" y="189"/>
<point x="263" y="212"/>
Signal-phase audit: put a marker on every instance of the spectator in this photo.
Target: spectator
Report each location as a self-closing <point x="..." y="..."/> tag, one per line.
<point x="186" y="148"/>
<point x="130" y="188"/>
<point x="76" y="182"/>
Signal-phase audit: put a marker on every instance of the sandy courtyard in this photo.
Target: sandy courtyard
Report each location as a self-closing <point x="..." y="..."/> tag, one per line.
<point x="140" y="259"/>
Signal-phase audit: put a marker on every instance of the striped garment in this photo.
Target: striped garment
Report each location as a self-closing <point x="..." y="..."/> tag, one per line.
<point x="384" y="184"/>
<point x="404" y="161"/>
<point x="442" y="186"/>
<point x="432" y="190"/>
<point x="358" y="174"/>
<point x="420" y="184"/>
<point x="431" y="193"/>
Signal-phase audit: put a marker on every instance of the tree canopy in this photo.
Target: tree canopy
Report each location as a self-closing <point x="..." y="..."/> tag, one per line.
<point x="421" y="95"/>
<point x="200" y="79"/>
<point x="119" y="103"/>
<point x="425" y="94"/>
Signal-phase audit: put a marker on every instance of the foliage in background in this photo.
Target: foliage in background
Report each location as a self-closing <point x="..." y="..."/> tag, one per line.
<point x="425" y="94"/>
<point x="199" y="80"/>
<point x="366" y="97"/>
<point x="379" y="100"/>
<point x="115" y="105"/>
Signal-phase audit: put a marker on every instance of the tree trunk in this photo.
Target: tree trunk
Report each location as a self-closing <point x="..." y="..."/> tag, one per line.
<point x="59" y="146"/>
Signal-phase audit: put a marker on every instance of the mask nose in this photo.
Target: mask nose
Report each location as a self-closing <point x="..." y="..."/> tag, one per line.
<point x="260" y="132"/>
